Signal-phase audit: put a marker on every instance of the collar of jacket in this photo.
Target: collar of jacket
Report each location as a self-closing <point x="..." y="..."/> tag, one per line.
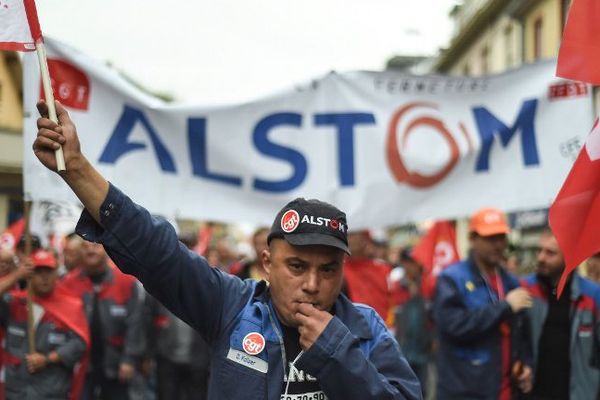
<point x="478" y="276"/>
<point x="573" y="282"/>
<point x="475" y="272"/>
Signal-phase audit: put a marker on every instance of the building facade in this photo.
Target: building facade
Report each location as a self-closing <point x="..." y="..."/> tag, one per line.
<point x="11" y="138"/>
<point x="491" y="36"/>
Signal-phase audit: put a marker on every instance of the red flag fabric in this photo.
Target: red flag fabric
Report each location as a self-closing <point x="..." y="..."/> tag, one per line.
<point x="579" y="54"/>
<point x="10" y="237"/>
<point x="19" y="25"/>
<point x="575" y="214"/>
<point x="435" y="251"/>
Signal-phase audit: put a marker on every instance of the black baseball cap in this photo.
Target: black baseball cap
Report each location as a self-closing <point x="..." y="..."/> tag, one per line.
<point x="304" y="222"/>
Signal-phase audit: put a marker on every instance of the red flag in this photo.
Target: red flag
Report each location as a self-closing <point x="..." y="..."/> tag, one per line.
<point x="10" y="237"/>
<point x="575" y="214"/>
<point x="579" y="54"/>
<point x="435" y="251"/>
<point x="20" y="26"/>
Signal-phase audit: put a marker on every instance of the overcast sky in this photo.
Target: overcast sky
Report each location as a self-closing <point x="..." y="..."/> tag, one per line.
<point x="210" y="52"/>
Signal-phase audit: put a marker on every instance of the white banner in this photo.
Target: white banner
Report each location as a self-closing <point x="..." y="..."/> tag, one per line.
<point x="385" y="147"/>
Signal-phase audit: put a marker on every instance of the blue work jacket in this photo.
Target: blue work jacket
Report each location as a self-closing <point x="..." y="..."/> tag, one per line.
<point x="468" y="315"/>
<point x="355" y="357"/>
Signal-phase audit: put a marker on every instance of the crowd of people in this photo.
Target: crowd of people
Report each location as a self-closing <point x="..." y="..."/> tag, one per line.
<point x="132" y="312"/>
<point x="490" y="334"/>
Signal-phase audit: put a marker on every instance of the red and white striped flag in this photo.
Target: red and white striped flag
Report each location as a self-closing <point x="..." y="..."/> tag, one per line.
<point x="19" y="26"/>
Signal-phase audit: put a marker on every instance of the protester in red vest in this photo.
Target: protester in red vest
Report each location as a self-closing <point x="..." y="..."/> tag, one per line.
<point x="52" y="369"/>
<point x="114" y="307"/>
<point x="366" y="279"/>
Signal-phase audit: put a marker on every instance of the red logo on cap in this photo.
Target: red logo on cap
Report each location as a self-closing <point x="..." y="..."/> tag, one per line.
<point x="290" y="221"/>
<point x="253" y="343"/>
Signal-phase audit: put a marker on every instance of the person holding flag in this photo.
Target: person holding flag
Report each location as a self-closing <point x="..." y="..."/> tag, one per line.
<point x="55" y="368"/>
<point x="297" y="337"/>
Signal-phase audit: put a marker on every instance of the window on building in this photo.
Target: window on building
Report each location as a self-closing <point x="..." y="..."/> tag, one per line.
<point x="537" y="39"/>
<point x="484" y="61"/>
<point x="508" y="46"/>
<point x="565" y="5"/>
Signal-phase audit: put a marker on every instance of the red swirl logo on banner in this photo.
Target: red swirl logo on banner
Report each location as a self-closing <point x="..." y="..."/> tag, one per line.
<point x="394" y="154"/>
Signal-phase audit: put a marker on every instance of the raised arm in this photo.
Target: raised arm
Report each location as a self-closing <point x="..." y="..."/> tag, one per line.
<point x="140" y="244"/>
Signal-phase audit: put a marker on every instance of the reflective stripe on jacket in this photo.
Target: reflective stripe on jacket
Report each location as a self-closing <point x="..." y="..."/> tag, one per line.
<point x="121" y="315"/>
<point x="52" y="382"/>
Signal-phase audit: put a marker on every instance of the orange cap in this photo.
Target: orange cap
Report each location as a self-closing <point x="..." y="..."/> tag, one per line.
<point x="43" y="258"/>
<point x="488" y="222"/>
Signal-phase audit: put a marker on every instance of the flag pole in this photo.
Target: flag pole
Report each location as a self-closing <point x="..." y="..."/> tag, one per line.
<point x="29" y="301"/>
<point x="41" y="53"/>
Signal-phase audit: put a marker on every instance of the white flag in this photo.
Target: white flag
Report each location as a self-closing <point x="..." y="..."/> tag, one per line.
<point x="19" y="26"/>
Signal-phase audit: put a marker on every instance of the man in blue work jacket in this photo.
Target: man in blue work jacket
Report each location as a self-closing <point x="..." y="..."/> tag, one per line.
<point x="484" y="349"/>
<point x="295" y="339"/>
